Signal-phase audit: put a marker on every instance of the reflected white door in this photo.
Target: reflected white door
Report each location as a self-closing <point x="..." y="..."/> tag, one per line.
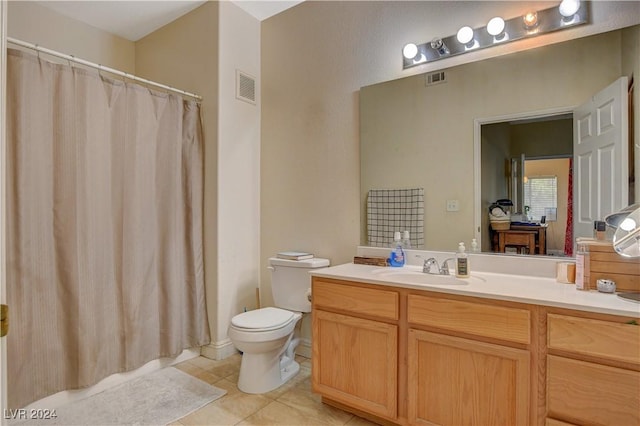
<point x="600" y="157"/>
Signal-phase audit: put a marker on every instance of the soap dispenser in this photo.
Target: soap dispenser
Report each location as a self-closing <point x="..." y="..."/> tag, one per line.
<point x="474" y="246"/>
<point x="462" y="262"/>
<point x="397" y="253"/>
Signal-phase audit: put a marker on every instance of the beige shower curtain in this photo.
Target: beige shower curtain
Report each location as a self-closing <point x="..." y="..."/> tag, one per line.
<point x="104" y="197"/>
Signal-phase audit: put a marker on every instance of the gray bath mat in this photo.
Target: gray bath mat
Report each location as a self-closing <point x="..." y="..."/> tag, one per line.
<point x="158" y="398"/>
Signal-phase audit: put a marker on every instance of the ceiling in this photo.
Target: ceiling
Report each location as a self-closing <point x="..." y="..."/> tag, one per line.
<point x="133" y="20"/>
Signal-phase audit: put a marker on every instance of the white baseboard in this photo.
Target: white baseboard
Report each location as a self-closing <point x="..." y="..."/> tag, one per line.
<point x="66" y="397"/>
<point x="219" y="350"/>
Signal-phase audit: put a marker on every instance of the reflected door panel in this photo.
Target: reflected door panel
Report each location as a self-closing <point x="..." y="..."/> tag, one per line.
<point x="600" y="156"/>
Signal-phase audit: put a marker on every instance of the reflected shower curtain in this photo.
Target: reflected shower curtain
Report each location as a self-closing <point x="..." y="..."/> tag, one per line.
<point x="104" y="221"/>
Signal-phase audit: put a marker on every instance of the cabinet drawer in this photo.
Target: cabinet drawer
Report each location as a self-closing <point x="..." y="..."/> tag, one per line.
<point x="603" y="339"/>
<point x="511" y="324"/>
<point x="586" y="393"/>
<point x="358" y="300"/>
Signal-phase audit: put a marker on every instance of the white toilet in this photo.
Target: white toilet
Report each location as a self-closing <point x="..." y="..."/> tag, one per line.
<point x="266" y="336"/>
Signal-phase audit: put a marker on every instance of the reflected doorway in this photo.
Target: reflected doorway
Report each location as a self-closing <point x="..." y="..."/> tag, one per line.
<point x="517" y="153"/>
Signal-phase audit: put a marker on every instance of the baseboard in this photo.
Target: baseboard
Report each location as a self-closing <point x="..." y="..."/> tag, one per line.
<point x="304" y="348"/>
<point x="219" y="350"/>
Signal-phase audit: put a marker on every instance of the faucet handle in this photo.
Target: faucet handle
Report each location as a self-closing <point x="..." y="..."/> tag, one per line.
<point x="444" y="270"/>
<point x="428" y="263"/>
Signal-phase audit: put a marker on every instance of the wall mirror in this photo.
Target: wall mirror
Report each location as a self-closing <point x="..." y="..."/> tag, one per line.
<point x="465" y="136"/>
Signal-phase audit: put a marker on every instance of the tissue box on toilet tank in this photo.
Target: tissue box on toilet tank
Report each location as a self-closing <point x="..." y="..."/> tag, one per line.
<point x="605" y="263"/>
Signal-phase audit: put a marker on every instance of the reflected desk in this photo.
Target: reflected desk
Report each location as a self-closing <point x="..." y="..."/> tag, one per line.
<point x="533" y="238"/>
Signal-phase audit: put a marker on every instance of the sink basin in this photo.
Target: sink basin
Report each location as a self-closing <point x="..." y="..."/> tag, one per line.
<point x="414" y="275"/>
<point x="630" y="296"/>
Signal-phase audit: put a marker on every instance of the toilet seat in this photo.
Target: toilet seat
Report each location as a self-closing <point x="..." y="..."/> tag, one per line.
<point x="263" y="319"/>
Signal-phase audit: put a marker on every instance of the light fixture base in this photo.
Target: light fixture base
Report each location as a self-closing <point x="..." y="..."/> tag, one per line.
<point x="549" y="20"/>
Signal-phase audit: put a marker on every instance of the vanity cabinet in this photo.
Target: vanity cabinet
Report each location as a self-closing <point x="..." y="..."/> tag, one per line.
<point x="593" y="369"/>
<point x="482" y="378"/>
<point x="410" y="356"/>
<point x="355" y="346"/>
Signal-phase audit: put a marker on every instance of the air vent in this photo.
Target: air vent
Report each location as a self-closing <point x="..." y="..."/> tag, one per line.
<point x="435" y="78"/>
<point x="245" y="87"/>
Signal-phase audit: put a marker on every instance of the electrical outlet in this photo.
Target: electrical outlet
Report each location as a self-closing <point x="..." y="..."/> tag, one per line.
<point x="453" y="205"/>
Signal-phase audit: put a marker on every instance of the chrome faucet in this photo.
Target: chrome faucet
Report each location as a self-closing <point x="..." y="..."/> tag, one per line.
<point x="445" y="270"/>
<point x="428" y="263"/>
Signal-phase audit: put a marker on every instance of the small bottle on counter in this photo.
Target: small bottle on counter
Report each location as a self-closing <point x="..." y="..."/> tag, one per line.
<point x="474" y="246"/>
<point x="462" y="262"/>
<point x="406" y="241"/>
<point x="396" y="258"/>
<point x="582" y="266"/>
<point x="599" y="230"/>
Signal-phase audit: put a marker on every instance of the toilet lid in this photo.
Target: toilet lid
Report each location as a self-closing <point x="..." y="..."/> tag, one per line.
<point x="263" y="319"/>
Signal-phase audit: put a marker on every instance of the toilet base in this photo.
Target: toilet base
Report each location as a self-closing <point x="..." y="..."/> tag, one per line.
<point x="261" y="373"/>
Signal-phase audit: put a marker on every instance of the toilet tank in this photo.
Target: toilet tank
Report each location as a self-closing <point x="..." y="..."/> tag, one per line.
<point x="290" y="281"/>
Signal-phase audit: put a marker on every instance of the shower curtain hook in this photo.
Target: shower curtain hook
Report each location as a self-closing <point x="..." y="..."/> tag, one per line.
<point x="71" y="60"/>
<point x="37" y="51"/>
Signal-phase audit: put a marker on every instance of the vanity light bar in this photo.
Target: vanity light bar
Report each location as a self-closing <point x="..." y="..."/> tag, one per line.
<point x="548" y="20"/>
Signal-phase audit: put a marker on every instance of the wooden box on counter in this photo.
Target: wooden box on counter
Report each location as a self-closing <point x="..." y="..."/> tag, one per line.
<point x="605" y="263"/>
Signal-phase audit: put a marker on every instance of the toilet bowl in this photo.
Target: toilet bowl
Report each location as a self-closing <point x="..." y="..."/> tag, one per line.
<point x="266" y="339"/>
<point x="266" y="336"/>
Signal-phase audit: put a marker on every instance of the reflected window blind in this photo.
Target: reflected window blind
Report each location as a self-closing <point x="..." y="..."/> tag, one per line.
<point x="540" y="194"/>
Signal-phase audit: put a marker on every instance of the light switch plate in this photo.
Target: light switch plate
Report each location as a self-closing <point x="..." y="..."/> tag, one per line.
<point x="453" y="205"/>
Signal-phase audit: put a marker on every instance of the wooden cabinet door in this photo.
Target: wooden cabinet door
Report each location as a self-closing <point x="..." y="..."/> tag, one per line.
<point x="456" y="381"/>
<point x="355" y="361"/>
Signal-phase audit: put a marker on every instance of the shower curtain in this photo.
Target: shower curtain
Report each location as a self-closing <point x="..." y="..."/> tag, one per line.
<point x="104" y="221"/>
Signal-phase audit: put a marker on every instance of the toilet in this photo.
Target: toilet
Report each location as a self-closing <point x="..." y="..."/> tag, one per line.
<point x="266" y="336"/>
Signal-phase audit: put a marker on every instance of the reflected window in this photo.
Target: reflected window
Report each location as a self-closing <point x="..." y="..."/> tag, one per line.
<point x="541" y="197"/>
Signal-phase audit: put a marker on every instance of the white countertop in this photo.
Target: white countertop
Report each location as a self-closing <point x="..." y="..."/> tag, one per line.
<point x="489" y="285"/>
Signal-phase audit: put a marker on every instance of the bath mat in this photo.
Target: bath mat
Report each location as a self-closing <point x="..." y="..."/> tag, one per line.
<point x="157" y="398"/>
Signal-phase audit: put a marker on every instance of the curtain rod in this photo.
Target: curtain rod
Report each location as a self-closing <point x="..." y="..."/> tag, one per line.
<point x="99" y="67"/>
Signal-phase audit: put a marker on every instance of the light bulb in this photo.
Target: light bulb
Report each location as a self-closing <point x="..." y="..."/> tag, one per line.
<point x="568" y="8"/>
<point x="530" y="19"/>
<point x="628" y="224"/>
<point x="495" y="26"/>
<point x="410" y="51"/>
<point x="465" y="35"/>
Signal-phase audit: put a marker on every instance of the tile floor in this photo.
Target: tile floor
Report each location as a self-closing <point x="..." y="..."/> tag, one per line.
<point x="291" y="404"/>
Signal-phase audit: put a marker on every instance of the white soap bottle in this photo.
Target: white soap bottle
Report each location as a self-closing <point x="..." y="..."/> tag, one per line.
<point x="462" y="262"/>
<point x="474" y="246"/>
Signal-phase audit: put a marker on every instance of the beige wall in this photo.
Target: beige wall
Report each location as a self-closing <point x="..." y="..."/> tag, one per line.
<point x="238" y="169"/>
<point x="30" y="22"/>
